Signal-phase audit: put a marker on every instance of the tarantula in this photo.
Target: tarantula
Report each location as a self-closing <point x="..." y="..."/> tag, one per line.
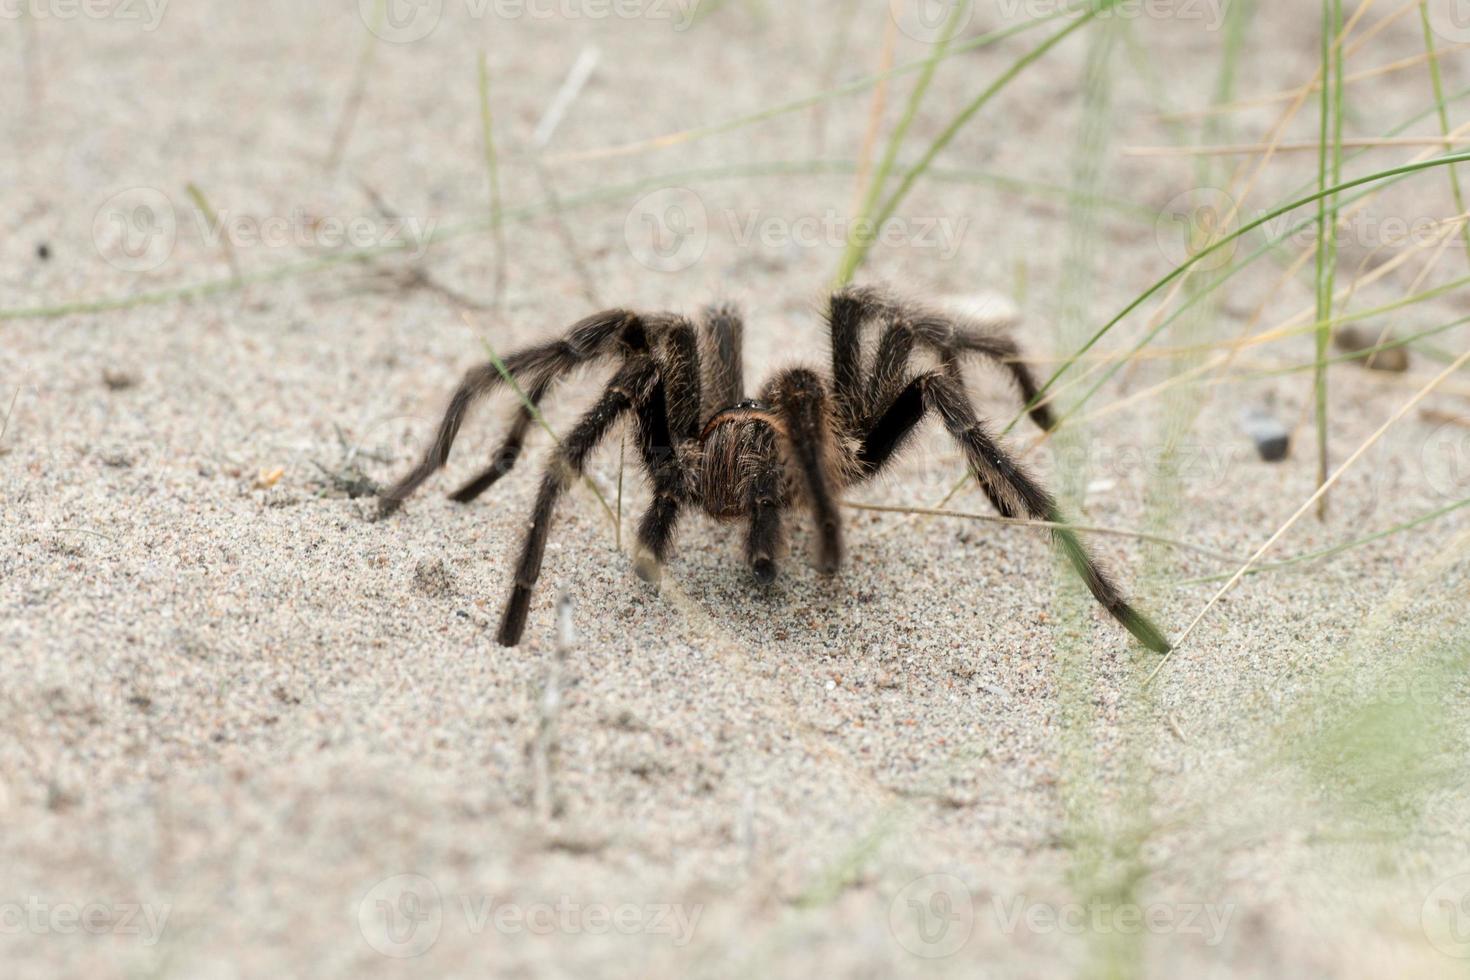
<point x="806" y="438"/>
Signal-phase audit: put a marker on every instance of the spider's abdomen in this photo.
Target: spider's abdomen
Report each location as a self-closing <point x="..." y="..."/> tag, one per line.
<point x="735" y="448"/>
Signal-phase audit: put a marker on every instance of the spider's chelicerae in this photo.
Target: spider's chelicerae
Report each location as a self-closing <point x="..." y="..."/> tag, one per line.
<point x="805" y="439"/>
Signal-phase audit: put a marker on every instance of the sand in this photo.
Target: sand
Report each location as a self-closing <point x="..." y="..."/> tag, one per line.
<point x="249" y="731"/>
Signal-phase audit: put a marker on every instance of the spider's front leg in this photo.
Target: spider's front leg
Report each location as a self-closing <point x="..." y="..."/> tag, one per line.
<point x="628" y="388"/>
<point x="510" y="450"/>
<point x="537" y="369"/>
<point x="669" y="418"/>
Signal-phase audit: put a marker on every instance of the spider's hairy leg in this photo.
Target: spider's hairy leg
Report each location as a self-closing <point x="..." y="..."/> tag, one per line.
<point x="623" y="392"/>
<point x="677" y="355"/>
<point x="763" y="540"/>
<point x="595" y="336"/>
<point x="656" y="529"/>
<point x="1012" y="491"/>
<point x="669" y="417"/>
<point x="956" y="337"/>
<point x="890" y="367"/>
<point x="510" y="450"/>
<point x="722" y="345"/>
<point x="848" y="311"/>
<point x="801" y="401"/>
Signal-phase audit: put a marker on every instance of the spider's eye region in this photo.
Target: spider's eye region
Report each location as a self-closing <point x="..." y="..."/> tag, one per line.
<point x="752" y="405"/>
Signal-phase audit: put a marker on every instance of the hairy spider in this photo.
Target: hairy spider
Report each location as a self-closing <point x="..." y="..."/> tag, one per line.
<point x="806" y="438"/>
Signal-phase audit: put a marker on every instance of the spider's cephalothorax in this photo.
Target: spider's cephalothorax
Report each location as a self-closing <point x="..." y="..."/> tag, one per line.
<point x="808" y="436"/>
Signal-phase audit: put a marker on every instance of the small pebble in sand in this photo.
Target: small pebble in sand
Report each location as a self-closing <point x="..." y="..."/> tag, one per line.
<point x="432" y="578"/>
<point x="118" y="380"/>
<point x="1272" y="439"/>
<point x="1354" y="340"/>
<point x="266" y="479"/>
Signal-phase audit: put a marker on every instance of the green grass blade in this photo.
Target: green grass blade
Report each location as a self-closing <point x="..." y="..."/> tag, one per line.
<point x="861" y="233"/>
<point x="1227" y="241"/>
<point x="854" y="261"/>
<point x="1329" y="172"/>
<point x="1437" y="79"/>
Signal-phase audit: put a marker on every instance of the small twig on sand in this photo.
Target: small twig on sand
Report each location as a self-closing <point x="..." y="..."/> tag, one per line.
<point x="348" y="120"/>
<point x="5" y="426"/>
<point x="414" y="276"/>
<point x="492" y="172"/>
<point x="210" y="215"/>
<point x="1444" y="418"/>
<point x="543" y="747"/>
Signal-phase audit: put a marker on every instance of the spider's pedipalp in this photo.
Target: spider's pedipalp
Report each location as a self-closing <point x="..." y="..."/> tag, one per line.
<point x="763" y="539"/>
<point x="801" y="401"/>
